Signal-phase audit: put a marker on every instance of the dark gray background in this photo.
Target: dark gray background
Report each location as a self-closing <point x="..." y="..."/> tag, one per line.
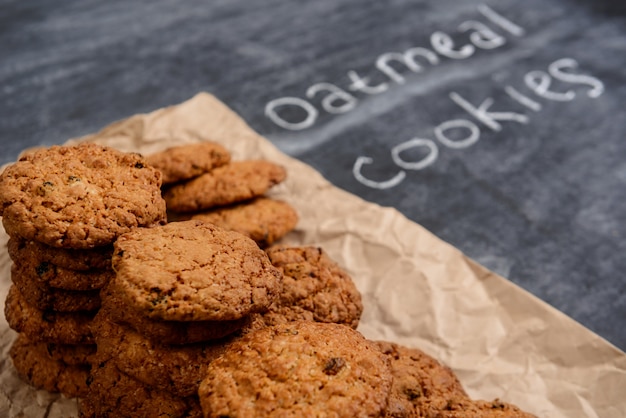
<point x="542" y="203"/>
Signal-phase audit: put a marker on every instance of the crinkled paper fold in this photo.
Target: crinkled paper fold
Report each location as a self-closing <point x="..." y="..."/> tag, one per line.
<point x="417" y="290"/>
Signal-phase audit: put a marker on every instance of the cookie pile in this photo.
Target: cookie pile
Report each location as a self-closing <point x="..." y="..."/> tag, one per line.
<point x="63" y="208"/>
<point x="202" y="182"/>
<point x="190" y="290"/>
<point x="203" y="316"/>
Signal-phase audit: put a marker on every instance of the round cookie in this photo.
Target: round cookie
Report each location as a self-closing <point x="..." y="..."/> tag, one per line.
<point x="45" y="325"/>
<point x="192" y="271"/>
<point x="298" y="369"/>
<point x="466" y="408"/>
<point x="315" y="288"/>
<point x="231" y="183"/>
<point x="420" y="383"/>
<point x="80" y="260"/>
<point x="168" y="332"/>
<point x="174" y="369"/>
<point x="112" y="393"/>
<point x="50" y="275"/>
<point x="264" y="220"/>
<point x="80" y="196"/>
<point x="184" y="162"/>
<point x="35" y="366"/>
<point x="44" y="297"/>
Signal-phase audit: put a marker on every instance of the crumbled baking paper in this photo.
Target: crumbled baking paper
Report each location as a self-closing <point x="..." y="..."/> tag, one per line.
<point x="417" y="290"/>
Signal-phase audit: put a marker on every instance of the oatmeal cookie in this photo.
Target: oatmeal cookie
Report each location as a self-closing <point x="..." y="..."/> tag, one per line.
<point x="49" y="275"/>
<point x="80" y="196"/>
<point x="298" y="369"/>
<point x="169" y="332"/>
<point x="52" y="298"/>
<point x="80" y="260"/>
<point x="175" y="369"/>
<point x="420" y="383"/>
<point x="465" y="408"/>
<point x="192" y="271"/>
<point x="35" y="365"/>
<point x="315" y="288"/>
<point x="112" y="393"/>
<point x="71" y="354"/>
<point x="184" y="162"/>
<point x="46" y="325"/>
<point x="262" y="219"/>
<point x="231" y="183"/>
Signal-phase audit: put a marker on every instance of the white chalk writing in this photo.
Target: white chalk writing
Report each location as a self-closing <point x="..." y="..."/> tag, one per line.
<point x="539" y="83"/>
<point x="283" y="110"/>
<point x="561" y="81"/>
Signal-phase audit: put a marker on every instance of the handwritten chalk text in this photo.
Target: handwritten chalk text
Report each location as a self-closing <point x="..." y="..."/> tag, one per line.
<point x="455" y="133"/>
<point x="539" y="82"/>
<point x="284" y="110"/>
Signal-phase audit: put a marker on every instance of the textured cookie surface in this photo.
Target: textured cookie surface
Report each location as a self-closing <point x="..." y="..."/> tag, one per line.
<point x="262" y="219"/>
<point x="46" y="325"/>
<point x="298" y="369"/>
<point x="71" y="354"/>
<point x="465" y="408"/>
<point x="49" y="275"/>
<point x="184" y="162"/>
<point x="45" y="297"/>
<point x="34" y="364"/>
<point x="79" y="196"/>
<point x="193" y="271"/>
<point x="231" y="183"/>
<point x="172" y="332"/>
<point x="80" y="260"/>
<point x="112" y="393"/>
<point x="420" y="383"/>
<point x="314" y="288"/>
<point x="174" y="369"/>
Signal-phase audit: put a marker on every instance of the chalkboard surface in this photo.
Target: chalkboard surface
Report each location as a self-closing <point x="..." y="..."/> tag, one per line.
<point x="497" y="125"/>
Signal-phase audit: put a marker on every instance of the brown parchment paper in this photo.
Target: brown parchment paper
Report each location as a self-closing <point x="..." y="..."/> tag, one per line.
<point x="417" y="290"/>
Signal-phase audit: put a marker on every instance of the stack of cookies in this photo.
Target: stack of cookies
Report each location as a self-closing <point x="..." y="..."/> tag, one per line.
<point x="201" y="182"/>
<point x="184" y="288"/>
<point x="201" y="317"/>
<point x="51" y="306"/>
<point x="63" y="208"/>
<point x="189" y="290"/>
